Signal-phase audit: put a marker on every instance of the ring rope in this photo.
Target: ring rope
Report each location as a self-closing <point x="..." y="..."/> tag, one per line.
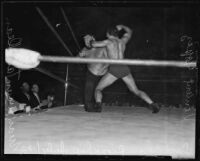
<point x="162" y="63"/>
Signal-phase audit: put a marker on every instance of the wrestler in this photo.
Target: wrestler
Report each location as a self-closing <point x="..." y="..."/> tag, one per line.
<point x="115" y="47"/>
<point x="94" y="72"/>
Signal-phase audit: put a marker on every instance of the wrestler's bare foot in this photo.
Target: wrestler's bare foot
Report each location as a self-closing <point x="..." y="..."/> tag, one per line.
<point x="154" y="107"/>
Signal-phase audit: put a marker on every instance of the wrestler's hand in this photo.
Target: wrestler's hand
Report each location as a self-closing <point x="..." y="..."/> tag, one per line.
<point x="81" y="54"/>
<point x="88" y="40"/>
<point x="91" y="42"/>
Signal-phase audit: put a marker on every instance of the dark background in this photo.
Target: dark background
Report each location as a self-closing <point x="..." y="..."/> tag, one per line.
<point x="156" y="35"/>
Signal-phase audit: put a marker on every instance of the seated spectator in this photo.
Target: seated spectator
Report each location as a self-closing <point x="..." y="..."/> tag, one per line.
<point x="24" y="96"/>
<point x="37" y="103"/>
<point x="35" y="100"/>
<point x="49" y="101"/>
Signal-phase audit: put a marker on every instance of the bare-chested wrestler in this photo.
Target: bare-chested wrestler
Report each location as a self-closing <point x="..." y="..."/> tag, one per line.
<point x="115" y="47"/>
<point x="94" y="73"/>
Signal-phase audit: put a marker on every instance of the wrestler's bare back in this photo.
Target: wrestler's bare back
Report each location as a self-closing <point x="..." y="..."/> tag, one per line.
<point x="115" y="48"/>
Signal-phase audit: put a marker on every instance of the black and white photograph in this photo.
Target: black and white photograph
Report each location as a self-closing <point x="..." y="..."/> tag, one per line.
<point x="100" y="80"/>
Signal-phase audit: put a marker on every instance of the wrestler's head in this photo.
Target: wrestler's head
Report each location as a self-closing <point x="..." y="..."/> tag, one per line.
<point x="88" y="39"/>
<point x="112" y="32"/>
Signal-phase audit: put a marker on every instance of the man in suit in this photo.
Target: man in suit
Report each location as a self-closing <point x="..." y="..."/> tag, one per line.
<point x="24" y="96"/>
<point x="35" y="98"/>
<point x="36" y="102"/>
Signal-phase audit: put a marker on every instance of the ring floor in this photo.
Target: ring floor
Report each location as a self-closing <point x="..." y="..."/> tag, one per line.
<point x="114" y="131"/>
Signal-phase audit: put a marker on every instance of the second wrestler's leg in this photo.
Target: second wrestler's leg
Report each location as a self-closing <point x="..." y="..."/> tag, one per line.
<point x="105" y="81"/>
<point x="130" y="82"/>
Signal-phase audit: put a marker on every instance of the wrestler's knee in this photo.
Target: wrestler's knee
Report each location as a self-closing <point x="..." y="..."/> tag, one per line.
<point x="138" y="92"/>
<point x="97" y="90"/>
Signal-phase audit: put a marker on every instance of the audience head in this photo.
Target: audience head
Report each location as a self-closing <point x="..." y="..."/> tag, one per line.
<point x="25" y="87"/>
<point x="50" y="96"/>
<point x="35" y="88"/>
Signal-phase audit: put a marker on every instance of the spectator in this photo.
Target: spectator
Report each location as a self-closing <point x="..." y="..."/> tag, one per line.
<point x="49" y="101"/>
<point x="35" y="97"/>
<point x="24" y="96"/>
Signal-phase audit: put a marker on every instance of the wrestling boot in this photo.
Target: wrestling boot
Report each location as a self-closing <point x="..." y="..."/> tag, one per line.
<point x="98" y="107"/>
<point x="89" y="107"/>
<point x="154" y="107"/>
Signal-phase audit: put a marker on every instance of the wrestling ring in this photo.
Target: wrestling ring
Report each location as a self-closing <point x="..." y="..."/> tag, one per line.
<point x="114" y="131"/>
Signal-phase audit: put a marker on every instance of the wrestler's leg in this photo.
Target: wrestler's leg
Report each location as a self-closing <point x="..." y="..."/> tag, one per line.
<point x="89" y="90"/>
<point x="130" y="82"/>
<point x="95" y="85"/>
<point x="105" y="81"/>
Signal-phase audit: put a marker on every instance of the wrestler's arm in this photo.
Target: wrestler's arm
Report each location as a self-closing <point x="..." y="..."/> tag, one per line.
<point x="99" y="43"/>
<point x="83" y="53"/>
<point x="105" y="54"/>
<point x="126" y="37"/>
